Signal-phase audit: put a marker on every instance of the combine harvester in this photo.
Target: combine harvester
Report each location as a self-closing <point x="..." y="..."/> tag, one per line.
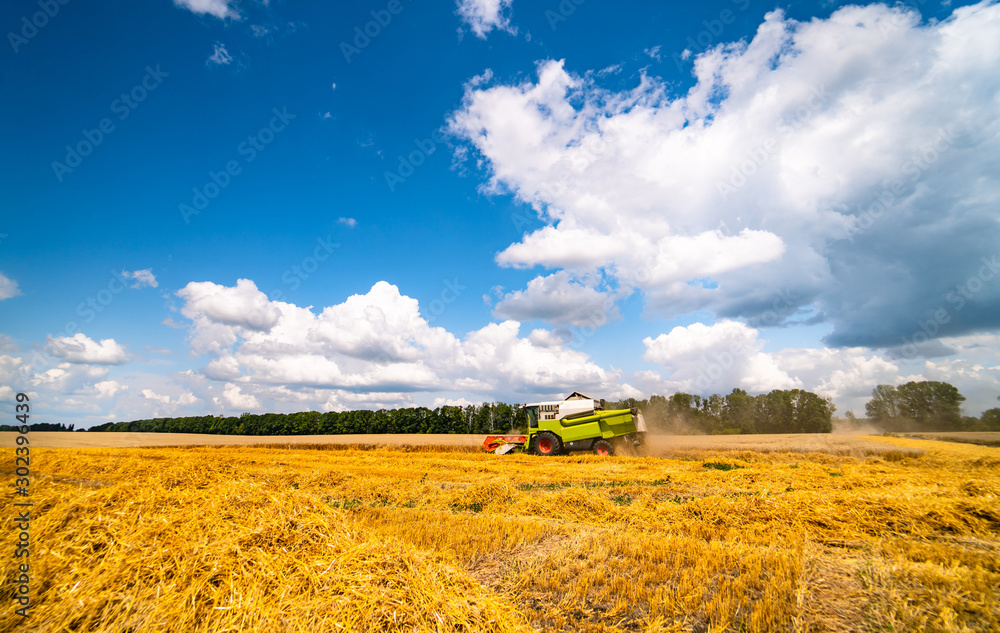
<point x="577" y="423"/>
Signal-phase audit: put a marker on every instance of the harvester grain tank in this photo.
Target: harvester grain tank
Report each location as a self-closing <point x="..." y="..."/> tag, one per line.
<point x="578" y="423"/>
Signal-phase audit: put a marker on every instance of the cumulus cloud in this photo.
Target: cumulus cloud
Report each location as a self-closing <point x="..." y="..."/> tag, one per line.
<point x="375" y="343"/>
<point x="8" y="287"/>
<point x="706" y="359"/>
<point x="142" y="278"/>
<point x="109" y="388"/>
<point x="236" y="399"/>
<point x="559" y="299"/>
<point x="67" y="378"/>
<point x="82" y="349"/>
<point x="847" y="162"/>
<point x="13" y="371"/>
<point x="348" y="222"/>
<point x="223" y="313"/>
<point x="221" y="9"/>
<point x="184" y="399"/>
<point x="847" y="375"/>
<point x="482" y="16"/>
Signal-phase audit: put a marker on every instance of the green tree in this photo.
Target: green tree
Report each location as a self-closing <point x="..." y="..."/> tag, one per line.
<point x="738" y="413"/>
<point x="932" y="404"/>
<point x="990" y="420"/>
<point x="884" y="404"/>
<point x="924" y="405"/>
<point x="813" y="414"/>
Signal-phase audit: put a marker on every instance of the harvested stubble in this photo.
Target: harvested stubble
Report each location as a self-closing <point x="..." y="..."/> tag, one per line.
<point x="985" y="438"/>
<point x="214" y="539"/>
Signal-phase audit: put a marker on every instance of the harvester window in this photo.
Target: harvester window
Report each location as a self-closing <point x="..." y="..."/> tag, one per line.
<point x="532" y="417"/>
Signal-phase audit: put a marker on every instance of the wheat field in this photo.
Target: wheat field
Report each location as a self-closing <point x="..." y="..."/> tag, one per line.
<point x="296" y="538"/>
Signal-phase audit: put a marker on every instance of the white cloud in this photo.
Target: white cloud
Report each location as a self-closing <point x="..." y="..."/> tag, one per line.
<point x="67" y="378"/>
<point x="220" y="55"/>
<point x="767" y="175"/>
<point x="847" y="375"/>
<point x="236" y="399"/>
<point x="8" y="287"/>
<point x="377" y="343"/>
<point x="221" y="9"/>
<point x="705" y="359"/>
<point x="653" y="52"/>
<point x="221" y="313"/>
<point x="545" y="338"/>
<point x="142" y="278"/>
<point x="482" y="79"/>
<point x="451" y="402"/>
<point x="109" y="388"/>
<point x="169" y="322"/>
<point x="348" y="222"/>
<point x="167" y="403"/>
<point x="559" y="300"/>
<point x="482" y="16"/>
<point x="7" y="344"/>
<point x="82" y="349"/>
<point x="152" y="395"/>
<point x="13" y="371"/>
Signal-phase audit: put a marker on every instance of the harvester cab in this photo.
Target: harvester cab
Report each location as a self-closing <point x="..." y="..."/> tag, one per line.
<point x="578" y="423"/>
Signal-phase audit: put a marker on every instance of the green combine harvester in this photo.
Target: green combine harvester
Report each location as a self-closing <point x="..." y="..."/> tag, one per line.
<point x="578" y="423"/>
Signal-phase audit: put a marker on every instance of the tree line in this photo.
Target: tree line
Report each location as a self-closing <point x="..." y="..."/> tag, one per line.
<point x="779" y="411"/>
<point x="925" y="406"/>
<point x="495" y="417"/>
<point x="794" y="411"/>
<point x="914" y="406"/>
<point x="37" y="426"/>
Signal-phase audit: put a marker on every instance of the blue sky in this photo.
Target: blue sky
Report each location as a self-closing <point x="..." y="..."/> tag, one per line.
<point x="432" y="203"/>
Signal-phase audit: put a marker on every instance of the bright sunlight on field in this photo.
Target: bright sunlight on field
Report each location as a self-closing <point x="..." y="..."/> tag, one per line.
<point x="298" y="539"/>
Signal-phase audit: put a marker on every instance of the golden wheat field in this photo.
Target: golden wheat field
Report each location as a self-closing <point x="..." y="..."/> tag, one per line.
<point x="229" y="538"/>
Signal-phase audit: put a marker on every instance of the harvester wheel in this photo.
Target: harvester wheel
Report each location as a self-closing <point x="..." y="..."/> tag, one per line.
<point x="603" y="447"/>
<point x="548" y="444"/>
